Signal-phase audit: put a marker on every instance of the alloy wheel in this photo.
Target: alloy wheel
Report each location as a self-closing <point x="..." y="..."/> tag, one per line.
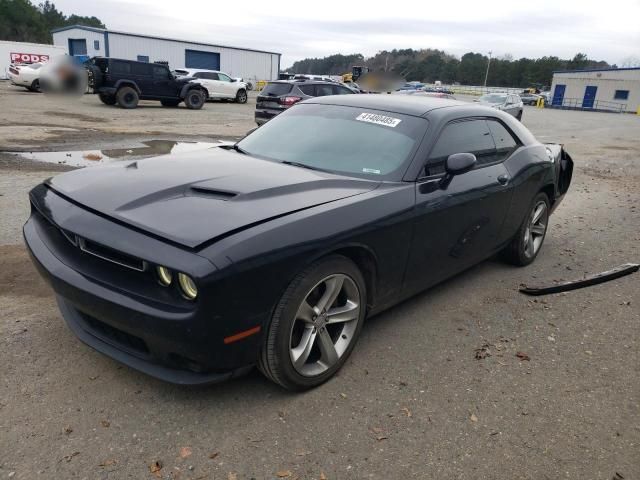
<point x="325" y="325"/>
<point x="536" y="229"/>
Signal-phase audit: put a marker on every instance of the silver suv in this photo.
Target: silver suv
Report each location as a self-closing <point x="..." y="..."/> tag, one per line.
<point x="507" y="102"/>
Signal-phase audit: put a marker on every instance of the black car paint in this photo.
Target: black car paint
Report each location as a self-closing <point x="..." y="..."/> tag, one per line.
<point x="403" y="234"/>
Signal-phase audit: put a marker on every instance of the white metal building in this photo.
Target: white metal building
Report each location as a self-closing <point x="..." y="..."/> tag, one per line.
<point x="21" y="52"/>
<point x="237" y="62"/>
<point x="615" y="89"/>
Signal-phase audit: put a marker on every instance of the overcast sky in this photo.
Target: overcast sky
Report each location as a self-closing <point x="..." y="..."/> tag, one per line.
<point x="603" y="30"/>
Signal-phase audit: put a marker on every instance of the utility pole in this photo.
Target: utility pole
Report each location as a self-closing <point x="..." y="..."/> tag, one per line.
<point x="486" y="75"/>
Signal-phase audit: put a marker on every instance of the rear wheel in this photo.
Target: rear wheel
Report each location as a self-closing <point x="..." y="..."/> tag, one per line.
<point x="107" y="99"/>
<point x="127" y="97"/>
<point x="316" y="324"/>
<point x="169" y="103"/>
<point x="194" y="99"/>
<point x="35" y="86"/>
<point x="241" y="96"/>
<point x="525" y="246"/>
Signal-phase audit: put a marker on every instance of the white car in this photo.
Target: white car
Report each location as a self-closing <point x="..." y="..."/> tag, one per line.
<point x="26" y="75"/>
<point x="219" y="85"/>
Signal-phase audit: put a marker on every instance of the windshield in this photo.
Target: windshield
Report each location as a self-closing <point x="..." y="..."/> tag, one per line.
<point x="493" y="98"/>
<point x="353" y="141"/>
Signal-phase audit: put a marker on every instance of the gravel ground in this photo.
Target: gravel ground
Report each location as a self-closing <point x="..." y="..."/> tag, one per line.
<point x="412" y="402"/>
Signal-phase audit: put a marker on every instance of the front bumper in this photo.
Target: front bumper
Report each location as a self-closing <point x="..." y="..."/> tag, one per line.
<point x="177" y="343"/>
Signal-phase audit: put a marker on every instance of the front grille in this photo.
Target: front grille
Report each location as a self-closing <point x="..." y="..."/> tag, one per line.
<point x="115" y="336"/>
<point x="111" y="255"/>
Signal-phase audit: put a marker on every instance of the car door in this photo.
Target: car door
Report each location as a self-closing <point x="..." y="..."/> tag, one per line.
<point x="163" y="82"/>
<point x="458" y="226"/>
<point x="208" y="80"/>
<point x="227" y="87"/>
<point x="142" y="75"/>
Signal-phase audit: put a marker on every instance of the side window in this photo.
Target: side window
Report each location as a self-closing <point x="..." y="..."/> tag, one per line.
<point x="120" y="67"/>
<point x="160" y="72"/>
<point x="468" y="136"/>
<point x="504" y="141"/>
<point x="140" y="69"/>
<point x="323" y="90"/>
<point x="211" y="76"/>
<point x="224" y="78"/>
<point x="338" y="90"/>
<point x="308" y="90"/>
<point x="198" y="75"/>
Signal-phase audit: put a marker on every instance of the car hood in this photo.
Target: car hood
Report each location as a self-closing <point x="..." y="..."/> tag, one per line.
<point x="194" y="198"/>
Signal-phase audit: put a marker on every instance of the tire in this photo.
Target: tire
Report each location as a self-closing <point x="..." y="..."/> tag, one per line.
<point x="170" y="103"/>
<point x="107" y="99"/>
<point x="296" y="329"/>
<point x="127" y="97"/>
<point x="249" y="86"/>
<point x="524" y="246"/>
<point x="241" y="96"/>
<point x="194" y="99"/>
<point x="35" y="86"/>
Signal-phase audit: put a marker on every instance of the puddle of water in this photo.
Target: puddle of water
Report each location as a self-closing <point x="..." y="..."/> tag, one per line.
<point x="88" y="158"/>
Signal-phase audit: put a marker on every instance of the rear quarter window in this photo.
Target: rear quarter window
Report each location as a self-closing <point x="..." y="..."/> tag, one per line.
<point x="276" y="89"/>
<point x="121" y="67"/>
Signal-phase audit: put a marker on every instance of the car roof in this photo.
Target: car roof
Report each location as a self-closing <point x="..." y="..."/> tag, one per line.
<point x="405" y="104"/>
<point x="305" y="81"/>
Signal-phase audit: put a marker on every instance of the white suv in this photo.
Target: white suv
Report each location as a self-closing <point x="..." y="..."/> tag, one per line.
<point x="218" y="84"/>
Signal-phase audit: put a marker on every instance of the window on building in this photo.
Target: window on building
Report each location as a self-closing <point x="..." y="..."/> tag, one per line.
<point x="621" y="95"/>
<point x="143" y="58"/>
<point x="96" y="44"/>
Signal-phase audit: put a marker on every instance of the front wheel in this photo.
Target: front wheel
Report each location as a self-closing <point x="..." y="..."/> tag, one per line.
<point x="316" y="324"/>
<point x="194" y="99"/>
<point x="526" y="244"/>
<point x="241" y="96"/>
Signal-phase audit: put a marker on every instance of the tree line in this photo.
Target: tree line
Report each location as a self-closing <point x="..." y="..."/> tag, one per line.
<point x="22" y="21"/>
<point x="429" y="65"/>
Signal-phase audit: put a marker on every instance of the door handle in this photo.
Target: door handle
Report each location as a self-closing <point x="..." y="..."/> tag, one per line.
<point x="503" y="179"/>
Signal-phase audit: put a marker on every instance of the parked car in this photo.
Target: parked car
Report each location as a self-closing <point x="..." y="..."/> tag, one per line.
<point x="279" y="95"/>
<point x="126" y="82"/>
<point x="529" y="98"/>
<point x="25" y="75"/>
<point x="273" y="250"/>
<point x="507" y="102"/>
<point x="426" y="93"/>
<point x="218" y="85"/>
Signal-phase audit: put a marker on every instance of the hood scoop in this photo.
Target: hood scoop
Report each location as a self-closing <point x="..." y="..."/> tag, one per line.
<point x="212" y="193"/>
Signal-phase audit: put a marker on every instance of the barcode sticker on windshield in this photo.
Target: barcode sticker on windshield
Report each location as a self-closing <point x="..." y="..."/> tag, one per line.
<point x="378" y="119"/>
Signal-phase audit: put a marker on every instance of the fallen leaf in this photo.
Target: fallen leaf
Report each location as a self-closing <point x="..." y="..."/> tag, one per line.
<point x="523" y="356"/>
<point x="473" y="417"/>
<point x="105" y="423"/>
<point x="284" y="474"/>
<point x="155" y="466"/>
<point x="185" y="452"/>
<point x="381" y="437"/>
<point x="406" y="411"/>
<point x="70" y="456"/>
<point x="343" y="395"/>
<point x="68" y="430"/>
<point x="483" y="352"/>
<point x="94" y="377"/>
<point x="108" y="463"/>
<point x="92" y="156"/>
<point x="322" y="476"/>
<point x="213" y="455"/>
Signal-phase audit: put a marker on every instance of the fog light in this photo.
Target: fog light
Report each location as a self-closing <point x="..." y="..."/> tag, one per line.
<point x="188" y="286"/>
<point x="164" y="276"/>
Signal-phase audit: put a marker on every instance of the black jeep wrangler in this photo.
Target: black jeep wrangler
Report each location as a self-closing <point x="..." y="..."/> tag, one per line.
<point x="125" y="82"/>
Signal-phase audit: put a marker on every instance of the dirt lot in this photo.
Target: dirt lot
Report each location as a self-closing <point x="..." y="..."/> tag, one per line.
<point x="412" y="402"/>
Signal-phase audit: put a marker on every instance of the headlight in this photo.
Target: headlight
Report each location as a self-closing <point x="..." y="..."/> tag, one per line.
<point x="164" y="276"/>
<point x="188" y="286"/>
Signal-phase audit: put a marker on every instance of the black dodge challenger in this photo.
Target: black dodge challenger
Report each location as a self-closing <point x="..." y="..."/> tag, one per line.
<point x="272" y="251"/>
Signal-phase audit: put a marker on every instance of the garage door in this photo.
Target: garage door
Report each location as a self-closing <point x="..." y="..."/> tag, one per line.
<point x="200" y="59"/>
<point x="77" y="46"/>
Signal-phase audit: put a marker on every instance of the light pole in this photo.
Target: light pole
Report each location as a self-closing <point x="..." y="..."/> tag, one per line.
<point x="486" y="75"/>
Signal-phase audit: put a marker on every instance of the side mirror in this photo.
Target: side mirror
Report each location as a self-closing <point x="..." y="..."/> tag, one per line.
<point x="456" y="164"/>
<point x="233" y="80"/>
<point x="459" y="163"/>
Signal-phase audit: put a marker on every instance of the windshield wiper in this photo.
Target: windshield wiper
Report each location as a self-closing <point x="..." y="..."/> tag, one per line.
<point x="302" y="165"/>
<point x="239" y="150"/>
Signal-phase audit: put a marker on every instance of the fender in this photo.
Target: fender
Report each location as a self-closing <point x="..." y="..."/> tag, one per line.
<point x="190" y="86"/>
<point x="128" y="83"/>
